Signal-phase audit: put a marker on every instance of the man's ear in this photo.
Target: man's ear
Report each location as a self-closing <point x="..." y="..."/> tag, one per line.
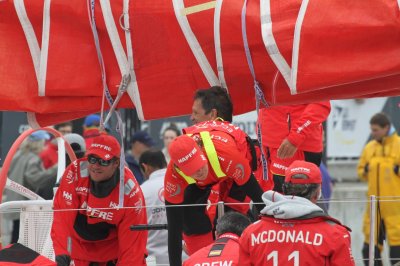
<point x="214" y="113"/>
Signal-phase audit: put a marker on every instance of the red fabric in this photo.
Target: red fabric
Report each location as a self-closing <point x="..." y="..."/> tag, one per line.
<point x="223" y="126"/>
<point x="129" y="247"/>
<point x="232" y="162"/>
<point x="195" y="242"/>
<point x="49" y="155"/>
<point x="302" y="167"/>
<point x="105" y="147"/>
<point x="363" y="62"/>
<point x="320" y="240"/>
<point x="186" y="154"/>
<point x="300" y="124"/>
<point x="229" y="255"/>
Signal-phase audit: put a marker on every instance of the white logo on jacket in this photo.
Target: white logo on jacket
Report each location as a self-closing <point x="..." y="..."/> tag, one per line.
<point x="67" y="197"/>
<point x="95" y="213"/>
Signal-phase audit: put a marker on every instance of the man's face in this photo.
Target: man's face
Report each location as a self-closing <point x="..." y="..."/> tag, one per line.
<point x="378" y="132"/>
<point x="199" y="114"/>
<point x="65" y="130"/>
<point x="99" y="173"/>
<point x="201" y="174"/>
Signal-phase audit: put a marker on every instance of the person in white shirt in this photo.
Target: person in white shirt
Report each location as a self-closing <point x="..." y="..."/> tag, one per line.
<point x="153" y="166"/>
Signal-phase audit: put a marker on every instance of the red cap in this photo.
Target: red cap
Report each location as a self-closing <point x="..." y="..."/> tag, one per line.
<point x="302" y="172"/>
<point x="105" y="147"/>
<point x="187" y="155"/>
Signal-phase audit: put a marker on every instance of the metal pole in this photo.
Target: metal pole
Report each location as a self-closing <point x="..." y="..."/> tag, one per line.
<point x="221" y="209"/>
<point x="372" y="211"/>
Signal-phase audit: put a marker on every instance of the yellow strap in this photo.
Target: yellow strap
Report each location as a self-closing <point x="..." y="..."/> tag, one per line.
<point x="188" y="179"/>
<point x="211" y="154"/>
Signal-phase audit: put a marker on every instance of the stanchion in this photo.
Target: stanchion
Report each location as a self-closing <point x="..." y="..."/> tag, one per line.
<point x="372" y="211"/>
<point x="221" y="209"/>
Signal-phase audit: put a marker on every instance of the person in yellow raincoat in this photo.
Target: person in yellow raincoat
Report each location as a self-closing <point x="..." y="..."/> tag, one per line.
<point x="379" y="166"/>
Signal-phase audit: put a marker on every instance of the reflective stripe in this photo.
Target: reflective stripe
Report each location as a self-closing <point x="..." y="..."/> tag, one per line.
<point x="39" y="56"/>
<point x="122" y="59"/>
<point x="198" y="8"/>
<point x="29" y="32"/>
<point x="211" y="154"/>
<point x="217" y="40"/>
<point x="188" y="179"/>
<point x="270" y="43"/>
<point x="44" y="49"/>
<point x="194" y="44"/>
<point x="296" y="46"/>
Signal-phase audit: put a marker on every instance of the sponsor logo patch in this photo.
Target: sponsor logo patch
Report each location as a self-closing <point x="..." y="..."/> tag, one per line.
<point x="239" y="171"/>
<point x="172" y="190"/>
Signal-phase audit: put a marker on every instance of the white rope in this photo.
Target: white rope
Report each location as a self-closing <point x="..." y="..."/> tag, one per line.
<point x="126" y="67"/>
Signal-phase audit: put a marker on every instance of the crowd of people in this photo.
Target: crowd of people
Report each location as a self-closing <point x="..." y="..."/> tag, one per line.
<point x="271" y="219"/>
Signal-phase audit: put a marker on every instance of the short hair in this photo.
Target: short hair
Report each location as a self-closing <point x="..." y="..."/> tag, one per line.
<point x="154" y="158"/>
<point x="380" y="119"/>
<point x="65" y="124"/>
<point x="232" y="222"/>
<point x="301" y="190"/>
<point x="216" y="98"/>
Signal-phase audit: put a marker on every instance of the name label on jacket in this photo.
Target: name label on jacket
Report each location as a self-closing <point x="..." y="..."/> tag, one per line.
<point x="282" y="236"/>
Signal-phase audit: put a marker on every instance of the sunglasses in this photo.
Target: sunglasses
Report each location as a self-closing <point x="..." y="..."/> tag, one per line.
<point x="93" y="160"/>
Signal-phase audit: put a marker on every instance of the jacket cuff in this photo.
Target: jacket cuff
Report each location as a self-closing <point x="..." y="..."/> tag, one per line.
<point x="296" y="139"/>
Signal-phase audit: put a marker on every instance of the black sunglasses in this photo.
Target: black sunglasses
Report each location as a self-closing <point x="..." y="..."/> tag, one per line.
<point x="92" y="160"/>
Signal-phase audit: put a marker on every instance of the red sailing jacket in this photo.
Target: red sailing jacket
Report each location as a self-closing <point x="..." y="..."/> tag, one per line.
<point x="232" y="162"/>
<point x="17" y="254"/>
<point x="300" y="124"/>
<point x="224" y="251"/>
<point x="314" y="241"/>
<point x="98" y="232"/>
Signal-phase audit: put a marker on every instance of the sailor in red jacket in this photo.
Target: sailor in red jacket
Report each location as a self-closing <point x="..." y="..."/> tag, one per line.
<point x="293" y="230"/>
<point x="188" y="180"/>
<point x="225" y="249"/>
<point x="88" y="226"/>
<point x="292" y="132"/>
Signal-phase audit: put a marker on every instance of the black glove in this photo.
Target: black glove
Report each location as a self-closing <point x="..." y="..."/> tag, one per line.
<point x="366" y="169"/>
<point x="396" y="169"/>
<point x="63" y="260"/>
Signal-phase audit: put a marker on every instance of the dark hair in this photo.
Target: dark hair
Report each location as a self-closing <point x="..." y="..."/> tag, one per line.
<point x="300" y="190"/>
<point x="154" y="158"/>
<point x="232" y="222"/>
<point x="172" y="127"/>
<point x="65" y="124"/>
<point x="216" y="98"/>
<point x="380" y="119"/>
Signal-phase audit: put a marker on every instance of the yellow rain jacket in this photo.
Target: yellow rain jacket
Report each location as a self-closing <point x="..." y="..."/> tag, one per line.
<point x="376" y="166"/>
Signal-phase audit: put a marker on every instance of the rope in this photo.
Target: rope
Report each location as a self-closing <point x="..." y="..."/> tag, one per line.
<point x="259" y="95"/>
<point x="107" y="95"/>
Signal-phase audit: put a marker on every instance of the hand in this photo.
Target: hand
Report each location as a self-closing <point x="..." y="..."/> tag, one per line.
<point x="286" y="150"/>
<point x="366" y="169"/>
<point x="63" y="260"/>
